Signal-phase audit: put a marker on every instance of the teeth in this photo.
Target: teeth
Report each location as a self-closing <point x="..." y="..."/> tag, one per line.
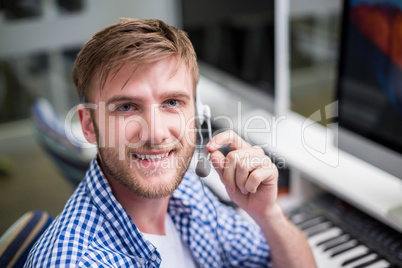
<point x="151" y="157"/>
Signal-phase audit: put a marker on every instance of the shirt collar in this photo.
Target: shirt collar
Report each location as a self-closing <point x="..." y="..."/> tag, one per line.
<point x="100" y="192"/>
<point x="181" y="205"/>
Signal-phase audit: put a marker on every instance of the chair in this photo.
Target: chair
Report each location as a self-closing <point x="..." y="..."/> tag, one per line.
<point x="72" y="159"/>
<point x="19" y="238"/>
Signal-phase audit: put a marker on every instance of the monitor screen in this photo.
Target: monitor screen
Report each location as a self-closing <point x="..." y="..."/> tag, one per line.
<point x="234" y="41"/>
<point x="370" y="82"/>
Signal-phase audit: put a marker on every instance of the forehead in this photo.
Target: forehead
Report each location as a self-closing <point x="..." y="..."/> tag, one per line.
<point x="158" y="76"/>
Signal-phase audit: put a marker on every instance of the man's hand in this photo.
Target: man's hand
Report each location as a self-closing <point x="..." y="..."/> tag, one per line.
<point x="251" y="182"/>
<point x="247" y="172"/>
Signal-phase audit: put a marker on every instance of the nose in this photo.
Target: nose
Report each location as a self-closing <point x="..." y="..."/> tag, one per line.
<point x="157" y="130"/>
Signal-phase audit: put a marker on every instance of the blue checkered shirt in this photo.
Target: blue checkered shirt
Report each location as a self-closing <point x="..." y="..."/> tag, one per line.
<point x="94" y="230"/>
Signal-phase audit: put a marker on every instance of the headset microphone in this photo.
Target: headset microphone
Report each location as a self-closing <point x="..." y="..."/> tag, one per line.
<point x="203" y="166"/>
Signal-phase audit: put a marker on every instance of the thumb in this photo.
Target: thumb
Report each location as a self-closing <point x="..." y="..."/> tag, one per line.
<point x="218" y="157"/>
<point x="218" y="162"/>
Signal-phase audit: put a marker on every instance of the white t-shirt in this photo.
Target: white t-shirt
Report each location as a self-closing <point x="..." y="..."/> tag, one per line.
<point x="174" y="252"/>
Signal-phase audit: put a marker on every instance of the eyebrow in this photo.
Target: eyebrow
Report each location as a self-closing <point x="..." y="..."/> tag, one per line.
<point x="168" y="95"/>
<point x="176" y="94"/>
<point x="122" y="98"/>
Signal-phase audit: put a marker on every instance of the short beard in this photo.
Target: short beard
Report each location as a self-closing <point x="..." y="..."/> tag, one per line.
<point x="111" y="163"/>
<point x="120" y="170"/>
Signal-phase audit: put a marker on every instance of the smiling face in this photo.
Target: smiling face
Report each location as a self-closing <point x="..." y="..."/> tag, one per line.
<point x="144" y="127"/>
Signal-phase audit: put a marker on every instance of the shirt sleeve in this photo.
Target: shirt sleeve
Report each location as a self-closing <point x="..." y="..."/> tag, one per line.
<point x="243" y="242"/>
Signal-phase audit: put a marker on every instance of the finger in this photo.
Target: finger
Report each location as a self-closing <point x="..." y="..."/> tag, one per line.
<point x="241" y="175"/>
<point x="229" y="138"/>
<point x="251" y="159"/>
<point x="229" y="172"/>
<point x="235" y="168"/>
<point x="239" y="165"/>
<point x="247" y="163"/>
<point x="218" y="162"/>
<point x="225" y="169"/>
<point x="238" y="154"/>
<point x="258" y="177"/>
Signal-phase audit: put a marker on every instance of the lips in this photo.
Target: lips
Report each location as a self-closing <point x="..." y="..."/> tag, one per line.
<point x="151" y="157"/>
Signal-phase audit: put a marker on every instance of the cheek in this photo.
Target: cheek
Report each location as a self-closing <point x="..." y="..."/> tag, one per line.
<point x="189" y="127"/>
<point x="123" y="131"/>
<point x="178" y="126"/>
<point x="130" y="130"/>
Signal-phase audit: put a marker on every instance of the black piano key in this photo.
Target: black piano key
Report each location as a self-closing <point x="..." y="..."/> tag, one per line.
<point x="349" y="261"/>
<point x="310" y="222"/>
<point x="335" y="240"/>
<point x="317" y="232"/>
<point x="322" y="227"/>
<point x="336" y="244"/>
<point x="343" y="250"/>
<point x="370" y="262"/>
<point x="329" y="240"/>
<point x="299" y="218"/>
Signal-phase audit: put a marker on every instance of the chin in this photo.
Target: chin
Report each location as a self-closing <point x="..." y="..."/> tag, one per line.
<point x="157" y="191"/>
<point x="156" y="183"/>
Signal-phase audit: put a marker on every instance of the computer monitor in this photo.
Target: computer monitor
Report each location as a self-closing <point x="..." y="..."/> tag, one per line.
<point x="369" y="87"/>
<point x="234" y="41"/>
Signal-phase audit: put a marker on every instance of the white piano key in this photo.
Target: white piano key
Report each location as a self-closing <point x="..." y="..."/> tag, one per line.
<point x="350" y="254"/>
<point x="333" y="235"/>
<point x="334" y="231"/>
<point x="340" y="239"/>
<point x="341" y="258"/>
<point x="343" y="246"/>
<point x="380" y="264"/>
<point x="361" y="261"/>
<point x="324" y="259"/>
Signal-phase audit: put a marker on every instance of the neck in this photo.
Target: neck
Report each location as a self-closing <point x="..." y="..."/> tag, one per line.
<point x="147" y="214"/>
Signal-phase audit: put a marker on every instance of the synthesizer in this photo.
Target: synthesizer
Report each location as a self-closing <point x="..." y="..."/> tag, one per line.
<point x="340" y="235"/>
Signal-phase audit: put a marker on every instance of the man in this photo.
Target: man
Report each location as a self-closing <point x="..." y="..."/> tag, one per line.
<point x="137" y="205"/>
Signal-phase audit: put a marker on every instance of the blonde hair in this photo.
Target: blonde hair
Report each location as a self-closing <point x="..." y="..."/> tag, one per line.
<point x="131" y="41"/>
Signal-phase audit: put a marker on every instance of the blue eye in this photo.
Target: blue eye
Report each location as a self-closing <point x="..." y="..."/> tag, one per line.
<point x="126" y="107"/>
<point x="172" y="103"/>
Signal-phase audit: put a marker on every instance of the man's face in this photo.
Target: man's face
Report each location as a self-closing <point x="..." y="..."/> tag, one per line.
<point x="144" y="127"/>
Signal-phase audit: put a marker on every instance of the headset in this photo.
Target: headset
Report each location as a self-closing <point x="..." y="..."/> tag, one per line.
<point x="203" y="115"/>
<point x="203" y="168"/>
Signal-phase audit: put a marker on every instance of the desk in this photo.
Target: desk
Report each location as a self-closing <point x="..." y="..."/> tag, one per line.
<point x="308" y="148"/>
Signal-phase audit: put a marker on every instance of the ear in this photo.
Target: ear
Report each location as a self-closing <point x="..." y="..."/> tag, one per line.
<point x="87" y="124"/>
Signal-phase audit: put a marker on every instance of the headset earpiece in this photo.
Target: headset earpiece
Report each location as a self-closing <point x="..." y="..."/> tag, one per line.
<point x="203" y="115"/>
<point x="203" y="112"/>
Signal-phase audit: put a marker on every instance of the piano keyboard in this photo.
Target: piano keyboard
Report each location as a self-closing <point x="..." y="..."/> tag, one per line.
<point x="342" y="236"/>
